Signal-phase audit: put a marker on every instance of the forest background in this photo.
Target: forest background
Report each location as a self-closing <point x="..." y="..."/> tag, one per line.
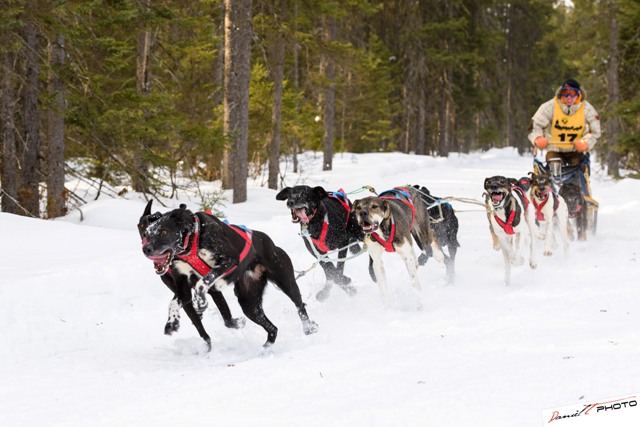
<point x="120" y="92"/>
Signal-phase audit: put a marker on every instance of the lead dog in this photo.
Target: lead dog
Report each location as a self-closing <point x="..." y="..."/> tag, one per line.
<point x="327" y="219"/>
<point x="173" y="321"/>
<point x="551" y="211"/>
<point x="389" y="222"/>
<point x="444" y="223"/>
<point x="204" y="252"/>
<point x="577" y="208"/>
<point x="510" y="219"/>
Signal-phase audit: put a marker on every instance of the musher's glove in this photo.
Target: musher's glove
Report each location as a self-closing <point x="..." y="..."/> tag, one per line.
<point x="581" y="146"/>
<point x="541" y="142"/>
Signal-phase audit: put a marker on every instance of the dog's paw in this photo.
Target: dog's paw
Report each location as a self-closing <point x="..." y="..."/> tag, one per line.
<point x="310" y="327"/>
<point x="171" y="327"/>
<point x="208" y="344"/>
<point x="235" y="323"/>
<point x="349" y="290"/>
<point x="533" y="265"/>
<point x="323" y="294"/>
<point x="547" y="253"/>
<point x="342" y="280"/>
<point x="200" y="304"/>
<point x="422" y="259"/>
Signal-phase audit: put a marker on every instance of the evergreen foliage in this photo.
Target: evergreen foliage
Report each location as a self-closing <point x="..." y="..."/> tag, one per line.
<point x="429" y="77"/>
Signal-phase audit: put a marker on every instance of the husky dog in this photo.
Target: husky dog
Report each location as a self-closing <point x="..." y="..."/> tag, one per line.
<point x="510" y="219"/>
<point x="550" y="209"/>
<point x="389" y="222"/>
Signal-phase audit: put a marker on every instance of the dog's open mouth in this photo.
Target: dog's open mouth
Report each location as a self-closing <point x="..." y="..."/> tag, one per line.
<point x="369" y="227"/>
<point x="300" y="215"/>
<point x="161" y="262"/>
<point x="497" y="197"/>
<point x="540" y="193"/>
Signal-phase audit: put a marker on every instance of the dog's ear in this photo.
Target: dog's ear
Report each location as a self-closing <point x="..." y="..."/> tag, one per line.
<point x="486" y="182"/>
<point x="319" y="193"/>
<point x="147" y="209"/>
<point x="183" y="206"/>
<point x="283" y="194"/>
<point x="386" y="209"/>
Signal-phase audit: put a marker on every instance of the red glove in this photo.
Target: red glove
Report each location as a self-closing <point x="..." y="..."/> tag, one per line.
<point x="541" y="142"/>
<point x="581" y="146"/>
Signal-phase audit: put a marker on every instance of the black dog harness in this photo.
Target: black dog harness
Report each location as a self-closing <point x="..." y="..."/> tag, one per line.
<point x="193" y="259"/>
<point x="408" y="200"/>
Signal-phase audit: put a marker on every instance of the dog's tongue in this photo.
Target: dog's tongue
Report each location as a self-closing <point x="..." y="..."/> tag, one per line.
<point x="160" y="262"/>
<point x="302" y="214"/>
<point x="496" y="198"/>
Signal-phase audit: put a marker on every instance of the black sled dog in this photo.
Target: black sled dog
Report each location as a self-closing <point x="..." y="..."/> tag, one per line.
<point x="203" y="252"/>
<point x="444" y="224"/>
<point x="173" y="321"/>
<point x="326" y="216"/>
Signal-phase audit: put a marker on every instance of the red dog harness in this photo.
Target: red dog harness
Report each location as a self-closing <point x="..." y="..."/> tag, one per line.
<point x="193" y="259"/>
<point x="539" y="214"/>
<point x="321" y="241"/>
<point x="395" y="194"/>
<point x="508" y="225"/>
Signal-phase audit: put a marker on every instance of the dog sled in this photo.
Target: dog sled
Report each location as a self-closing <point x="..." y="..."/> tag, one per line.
<point x="564" y="173"/>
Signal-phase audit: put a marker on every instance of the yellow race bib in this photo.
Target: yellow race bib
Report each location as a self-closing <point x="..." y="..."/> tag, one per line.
<point x="566" y="129"/>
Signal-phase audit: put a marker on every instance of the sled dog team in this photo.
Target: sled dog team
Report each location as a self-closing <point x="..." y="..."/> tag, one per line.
<point x="196" y="254"/>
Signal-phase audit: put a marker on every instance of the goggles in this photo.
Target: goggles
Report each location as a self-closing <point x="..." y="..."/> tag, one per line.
<point x="566" y="93"/>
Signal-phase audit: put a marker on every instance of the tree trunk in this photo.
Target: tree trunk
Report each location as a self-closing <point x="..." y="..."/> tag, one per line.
<point x="55" y="154"/>
<point x="296" y="85"/>
<point x="329" y="113"/>
<point x="139" y="180"/>
<point x="277" y="75"/>
<point x="29" y="152"/>
<point x="613" y="119"/>
<point x="236" y="93"/>
<point x="7" y="125"/>
<point x="509" y="113"/>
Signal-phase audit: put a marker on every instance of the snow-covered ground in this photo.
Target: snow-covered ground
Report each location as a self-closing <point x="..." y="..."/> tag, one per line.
<point x="83" y="314"/>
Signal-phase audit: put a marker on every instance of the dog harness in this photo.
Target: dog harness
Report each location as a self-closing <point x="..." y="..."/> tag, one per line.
<point x="508" y="225"/>
<point x="387" y="244"/>
<point x="408" y="200"/>
<point x="321" y="241"/>
<point x="539" y="214"/>
<point x="193" y="259"/>
<point x="572" y="214"/>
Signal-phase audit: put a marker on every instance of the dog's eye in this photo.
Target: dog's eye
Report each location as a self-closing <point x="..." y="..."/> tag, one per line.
<point x="163" y="233"/>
